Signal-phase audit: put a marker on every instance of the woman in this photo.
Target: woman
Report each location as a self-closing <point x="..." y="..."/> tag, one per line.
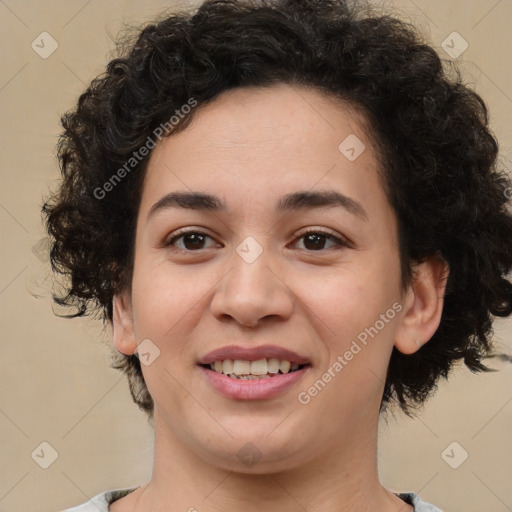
<point x="292" y="218"/>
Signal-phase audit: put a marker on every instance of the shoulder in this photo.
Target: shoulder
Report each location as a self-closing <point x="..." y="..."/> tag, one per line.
<point x="418" y="503"/>
<point x="100" y="502"/>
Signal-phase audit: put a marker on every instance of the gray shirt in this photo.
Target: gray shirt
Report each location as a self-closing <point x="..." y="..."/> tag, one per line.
<point x="101" y="502"/>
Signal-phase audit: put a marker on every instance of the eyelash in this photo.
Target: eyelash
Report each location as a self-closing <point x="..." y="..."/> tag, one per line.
<point x="180" y="234"/>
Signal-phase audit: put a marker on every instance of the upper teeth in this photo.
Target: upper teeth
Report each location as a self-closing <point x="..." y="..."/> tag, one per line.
<point x="259" y="367"/>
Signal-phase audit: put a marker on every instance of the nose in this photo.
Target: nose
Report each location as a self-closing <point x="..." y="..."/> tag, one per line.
<point x="250" y="292"/>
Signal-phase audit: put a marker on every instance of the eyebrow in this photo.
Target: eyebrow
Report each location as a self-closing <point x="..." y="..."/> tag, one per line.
<point x="302" y="200"/>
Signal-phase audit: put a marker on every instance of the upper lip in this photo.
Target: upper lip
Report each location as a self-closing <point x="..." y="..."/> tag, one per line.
<point x="252" y="354"/>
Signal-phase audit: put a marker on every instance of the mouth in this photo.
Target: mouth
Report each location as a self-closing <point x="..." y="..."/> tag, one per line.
<point x="254" y="370"/>
<point x="256" y="373"/>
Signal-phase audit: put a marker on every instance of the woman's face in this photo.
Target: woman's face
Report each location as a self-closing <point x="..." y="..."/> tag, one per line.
<point x="317" y="277"/>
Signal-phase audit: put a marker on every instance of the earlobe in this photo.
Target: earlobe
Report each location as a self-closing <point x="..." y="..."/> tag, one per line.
<point x="424" y="305"/>
<point x="122" y="324"/>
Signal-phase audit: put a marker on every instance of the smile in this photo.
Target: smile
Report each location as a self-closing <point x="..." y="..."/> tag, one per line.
<point x="251" y="370"/>
<point x="247" y="386"/>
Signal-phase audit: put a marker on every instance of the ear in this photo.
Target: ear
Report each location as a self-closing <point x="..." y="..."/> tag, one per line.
<point x="423" y="305"/>
<point x="122" y="323"/>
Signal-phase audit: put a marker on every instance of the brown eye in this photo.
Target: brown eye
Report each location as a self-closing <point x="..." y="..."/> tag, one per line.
<point x="316" y="240"/>
<point x="190" y="240"/>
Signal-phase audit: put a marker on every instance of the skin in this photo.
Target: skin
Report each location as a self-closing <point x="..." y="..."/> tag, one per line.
<point x="250" y="147"/>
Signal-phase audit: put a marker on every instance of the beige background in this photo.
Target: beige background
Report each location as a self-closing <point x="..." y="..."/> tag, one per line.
<point x="56" y="385"/>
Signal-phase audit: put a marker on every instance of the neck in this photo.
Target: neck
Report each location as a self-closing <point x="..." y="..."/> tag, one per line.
<point x="342" y="479"/>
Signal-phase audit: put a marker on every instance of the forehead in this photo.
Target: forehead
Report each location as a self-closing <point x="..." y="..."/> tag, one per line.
<point x="257" y="143"/>
<point x="280" y="115"/>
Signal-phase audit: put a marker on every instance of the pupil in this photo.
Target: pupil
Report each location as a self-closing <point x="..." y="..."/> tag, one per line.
<point x="193" y="239"/>
<point x="317" y="240"/>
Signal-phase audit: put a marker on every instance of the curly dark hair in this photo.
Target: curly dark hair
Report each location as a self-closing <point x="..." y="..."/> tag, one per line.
<point x="436" y="153"/>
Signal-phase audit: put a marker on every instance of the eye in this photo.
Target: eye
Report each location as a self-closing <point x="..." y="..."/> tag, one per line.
<point x="191" y="240"/>
<point x="315" y="240"/>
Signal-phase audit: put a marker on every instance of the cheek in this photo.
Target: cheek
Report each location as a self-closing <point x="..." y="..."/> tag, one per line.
<point x="165" y="300"/>
<point x="349" y="296"/>
<point x="350" y="304"/>
<point x="166" y="306"/>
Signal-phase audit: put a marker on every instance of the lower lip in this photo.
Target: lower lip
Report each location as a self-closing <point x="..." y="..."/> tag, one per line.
<point x="253" y="389"/>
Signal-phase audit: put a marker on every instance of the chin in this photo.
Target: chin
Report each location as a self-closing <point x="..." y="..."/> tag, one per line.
<point x="255" y="456"/>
